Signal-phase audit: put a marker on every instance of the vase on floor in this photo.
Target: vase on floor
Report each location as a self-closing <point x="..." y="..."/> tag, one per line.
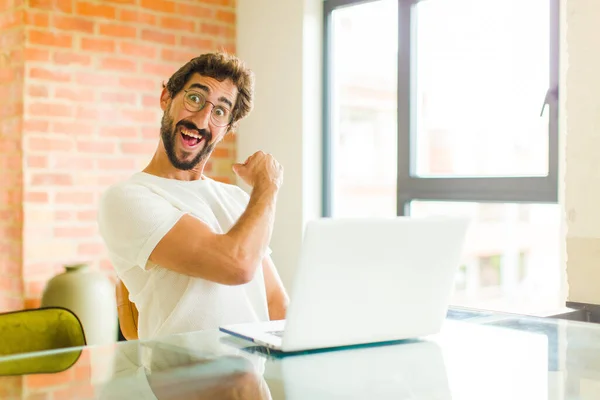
<point x="88" y="294"/>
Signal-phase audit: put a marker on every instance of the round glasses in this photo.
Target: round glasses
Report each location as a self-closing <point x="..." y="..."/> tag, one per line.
<point x="195" y="101"/>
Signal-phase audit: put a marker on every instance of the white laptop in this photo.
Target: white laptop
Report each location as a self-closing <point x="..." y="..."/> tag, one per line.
<point x="366" y="280"/>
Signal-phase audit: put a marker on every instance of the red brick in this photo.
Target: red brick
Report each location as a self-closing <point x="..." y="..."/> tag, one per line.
<point x="116" y="163"/>
<point x="50" y="110"/>
<point x="226" y="16"/>
<point x="10" y="162"/>
<point x="62" y="215"/>
<point x="90" y="249"/>
<point x="74" y="198"/>
<point x="178" y="24"/>
<point x="140" y="116"/>
<point x="74" y="231"/>
<point x="78" y="163"/>
<point x="227" y="48"/>
<point x="117" y="30"/>
<point x="68" y="23"/>
<point x="41" y="143"/>
<point x="29" y="305"/>
<point x="8" y="75"/>
<point x="89" y="146"/>
<point x="224" y="179"/>
<point x="90" y="9"/>
<point x="177" y="56"/>
<point x="71" y="58"/>
<point x="48" y="380"/>
<point x="220" y="152"/>
<point x="35" y="54"/>
<point x="16" y="55"/>
<point x="37" y="162"/>
<point x="36" y="197"/>
<point x="118" y="64"/>
<point x="11" y="19"/>
<point x="49" y="75"/>
<point x="41" y="179"/>
<point x="138" y="147"/>
<point x="141" y="84"/>
<point x="137" y="16"/>
<point x="37" y="91"/>
<point x="37" y="19"/>
<point x="11" y="127"/>
<point x="159" y="5"/>
<point x="32" y="125"/>
<point x="196" y="43"/>
<point x="194" y="11"/>
<point x="73" y="128"/>
<point x="49" y="39"/>
<point x="88" y="215"/>
<point x="98" y="45"/>
<point x="150" y="133"/>
<point x="52" y="5"/>
<point x="34" y="288"/>
<point x="138" y="50"/>
<point x="163" y="70"/>
<point x="98" y="79"/>
<point x="119" y="131"/>
<point x="217" y="30"/>
<point x="38" y="268"/>
<point x="95" y="113"/>
<point x="74" y="94"/>
<point x="11" y="110"/>
<point x="118" y="97"/>
<point x="158" y="37"/>
<point x="150" y="101"/>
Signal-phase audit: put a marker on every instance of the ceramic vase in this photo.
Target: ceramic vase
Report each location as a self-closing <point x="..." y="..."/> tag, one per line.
<point x="91" y="296"/>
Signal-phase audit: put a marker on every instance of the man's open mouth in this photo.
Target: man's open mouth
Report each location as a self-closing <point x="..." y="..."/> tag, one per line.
<point x="190" y="137"/>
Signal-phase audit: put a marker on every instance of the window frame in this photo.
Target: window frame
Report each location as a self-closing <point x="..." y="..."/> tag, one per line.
<point x="542" y="189"/>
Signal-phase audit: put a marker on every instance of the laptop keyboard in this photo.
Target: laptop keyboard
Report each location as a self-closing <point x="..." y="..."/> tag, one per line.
<point x="276" y="333"/>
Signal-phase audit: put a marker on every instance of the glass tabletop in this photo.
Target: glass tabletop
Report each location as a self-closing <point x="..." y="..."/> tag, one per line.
<point x="477" y="355"/>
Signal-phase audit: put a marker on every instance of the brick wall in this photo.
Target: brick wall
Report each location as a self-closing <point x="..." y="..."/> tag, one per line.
<point x="12" y="33"/>
<point x="93" y="77"/>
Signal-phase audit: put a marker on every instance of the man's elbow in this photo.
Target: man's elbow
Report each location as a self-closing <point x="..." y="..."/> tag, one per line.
<point x="241" y="271"/>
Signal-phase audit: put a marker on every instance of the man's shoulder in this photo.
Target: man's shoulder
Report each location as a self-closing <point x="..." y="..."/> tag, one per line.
<point x="130" y="188"/>
<point x="233" y="190"/>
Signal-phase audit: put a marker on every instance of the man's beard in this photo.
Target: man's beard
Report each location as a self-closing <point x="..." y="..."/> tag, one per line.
<point x="169" y="133"/>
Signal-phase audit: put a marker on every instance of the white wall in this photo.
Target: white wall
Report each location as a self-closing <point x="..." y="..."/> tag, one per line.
<point x="581" y="99"/>
<point x="280" y="40"/>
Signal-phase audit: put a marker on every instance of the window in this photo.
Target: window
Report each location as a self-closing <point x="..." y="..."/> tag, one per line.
<point x="450" y="107"/>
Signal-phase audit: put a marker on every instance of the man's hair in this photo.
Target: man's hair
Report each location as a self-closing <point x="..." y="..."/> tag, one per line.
<point x="219" y="66"/>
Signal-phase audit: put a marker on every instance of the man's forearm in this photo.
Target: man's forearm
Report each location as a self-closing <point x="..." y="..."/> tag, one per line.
<point x="252" y="232"/>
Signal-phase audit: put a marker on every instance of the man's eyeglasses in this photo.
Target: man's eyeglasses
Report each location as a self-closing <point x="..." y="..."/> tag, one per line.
<point x="195" y="101"/>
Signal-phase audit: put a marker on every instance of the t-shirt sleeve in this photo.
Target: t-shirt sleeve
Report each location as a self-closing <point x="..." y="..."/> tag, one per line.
<point x="132" y="221"/>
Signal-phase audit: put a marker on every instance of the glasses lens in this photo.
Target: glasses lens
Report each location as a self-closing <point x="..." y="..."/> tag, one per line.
<point x="194" y="101"/>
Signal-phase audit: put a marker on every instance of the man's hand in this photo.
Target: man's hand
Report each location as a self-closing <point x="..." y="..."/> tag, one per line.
<point x="260" y="169"/>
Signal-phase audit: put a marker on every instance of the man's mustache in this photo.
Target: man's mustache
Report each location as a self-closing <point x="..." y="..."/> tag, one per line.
<point x="189" y="125"/>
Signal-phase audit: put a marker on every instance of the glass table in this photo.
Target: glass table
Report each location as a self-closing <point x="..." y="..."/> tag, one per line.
<point x="477" y="355"/>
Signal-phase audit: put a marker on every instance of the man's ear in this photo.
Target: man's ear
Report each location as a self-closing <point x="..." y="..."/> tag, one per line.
<point x="165" y="97"/>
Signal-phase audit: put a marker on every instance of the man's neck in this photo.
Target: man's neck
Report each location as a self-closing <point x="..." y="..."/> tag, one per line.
<point x="161" y="166"/>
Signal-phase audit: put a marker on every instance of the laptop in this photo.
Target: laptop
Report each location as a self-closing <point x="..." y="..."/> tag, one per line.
<point x="364" y="281"/>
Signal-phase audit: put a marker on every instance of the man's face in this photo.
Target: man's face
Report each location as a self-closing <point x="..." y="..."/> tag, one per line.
<point x="190" y="136"/>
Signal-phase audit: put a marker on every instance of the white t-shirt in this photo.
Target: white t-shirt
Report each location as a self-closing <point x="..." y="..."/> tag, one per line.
<point x="136" y="214"/>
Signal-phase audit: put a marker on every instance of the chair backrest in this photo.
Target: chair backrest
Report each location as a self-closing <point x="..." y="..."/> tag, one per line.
<point x="128" y="313"/>
<point x="40" y="330"/>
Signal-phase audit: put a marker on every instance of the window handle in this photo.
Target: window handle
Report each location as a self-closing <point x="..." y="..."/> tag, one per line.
<point x="551" y="93"/>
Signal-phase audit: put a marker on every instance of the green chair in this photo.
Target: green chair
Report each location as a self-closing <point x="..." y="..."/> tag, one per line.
<point x="38" y="330"/>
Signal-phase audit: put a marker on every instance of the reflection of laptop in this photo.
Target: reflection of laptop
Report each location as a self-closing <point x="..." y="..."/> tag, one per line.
<point x="364" y="281"/>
